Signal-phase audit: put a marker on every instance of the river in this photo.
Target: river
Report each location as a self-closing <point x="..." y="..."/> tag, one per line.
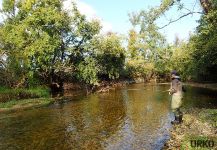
<point x="136" y="116"/>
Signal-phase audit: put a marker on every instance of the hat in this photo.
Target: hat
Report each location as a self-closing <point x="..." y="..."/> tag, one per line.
<point x="174" y="72"/>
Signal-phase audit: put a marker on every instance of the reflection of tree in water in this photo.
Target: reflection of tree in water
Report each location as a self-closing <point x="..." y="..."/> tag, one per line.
<point x="94" y="121"/>
<point x="34" y="129"/>
<point x="147" y="113"/>
<point x="80" y="124"/>
<point x="121" y="119"/>
<point x="129" y="118"/>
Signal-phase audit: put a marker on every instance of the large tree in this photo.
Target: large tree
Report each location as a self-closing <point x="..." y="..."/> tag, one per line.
<point x="40" y="38"/>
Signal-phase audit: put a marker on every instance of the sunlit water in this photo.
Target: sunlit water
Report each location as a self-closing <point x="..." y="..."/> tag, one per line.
<point x="133" y="117"/>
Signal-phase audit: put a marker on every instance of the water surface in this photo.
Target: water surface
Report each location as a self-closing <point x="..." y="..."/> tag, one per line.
<point x="133" y="117"/>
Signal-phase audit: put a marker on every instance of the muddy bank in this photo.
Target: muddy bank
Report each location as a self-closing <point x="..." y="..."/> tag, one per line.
<point x="103" y="86"/>
<point x="22" y="99"/>
<point x="198" y="125"/>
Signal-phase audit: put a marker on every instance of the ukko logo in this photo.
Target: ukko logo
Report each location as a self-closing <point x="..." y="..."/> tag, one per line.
<point x="202" y="143"/>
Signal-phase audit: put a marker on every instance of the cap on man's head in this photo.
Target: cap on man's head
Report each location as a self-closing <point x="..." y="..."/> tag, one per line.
<point x="174" y="72"/>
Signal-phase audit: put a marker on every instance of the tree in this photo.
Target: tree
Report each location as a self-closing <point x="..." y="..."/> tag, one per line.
<point x="133" y="48"/>
<point x="181" y="60"/>
<point x="204" y="45"/>
<point x="110" y="55"/>
<point x="42" y="39"/>
<point x="151" y="43"/>
<point x="104" y="60"/>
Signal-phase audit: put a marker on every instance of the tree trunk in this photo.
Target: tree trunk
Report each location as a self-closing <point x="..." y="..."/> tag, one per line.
<point x="206" y="5"/>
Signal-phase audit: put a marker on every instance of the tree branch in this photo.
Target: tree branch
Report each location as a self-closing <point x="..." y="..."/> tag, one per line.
<point x="172" y="21"/>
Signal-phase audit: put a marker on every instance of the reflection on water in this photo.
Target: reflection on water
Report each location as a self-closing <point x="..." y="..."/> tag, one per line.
<point x="133" y="117"/>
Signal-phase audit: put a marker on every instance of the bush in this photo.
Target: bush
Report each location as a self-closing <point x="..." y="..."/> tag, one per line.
<point x="139" y="68"/>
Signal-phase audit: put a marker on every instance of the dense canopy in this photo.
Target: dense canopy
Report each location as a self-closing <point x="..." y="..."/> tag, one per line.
<point x="42" y="43"/>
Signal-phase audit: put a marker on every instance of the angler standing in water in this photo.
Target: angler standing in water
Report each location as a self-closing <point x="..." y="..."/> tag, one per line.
<point x="176" y="91"/>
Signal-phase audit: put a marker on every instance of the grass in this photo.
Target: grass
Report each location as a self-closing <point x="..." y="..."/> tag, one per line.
<point x="23" y="98"/>
<point x="25" y="103"/>
<point x="199" y="125"/>
<point x="39" y="91"/>
<point x="8" y="94"/>
<point x="210" y="116"/>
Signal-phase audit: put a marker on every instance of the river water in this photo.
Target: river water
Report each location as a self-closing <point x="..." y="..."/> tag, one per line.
<point x="133" y="117"/>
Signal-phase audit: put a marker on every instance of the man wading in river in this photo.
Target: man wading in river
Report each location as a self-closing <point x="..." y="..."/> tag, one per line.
<point x="176" y="91"/>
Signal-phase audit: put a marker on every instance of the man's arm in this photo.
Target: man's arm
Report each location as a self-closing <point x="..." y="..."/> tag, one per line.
<point x="173" y="88"/>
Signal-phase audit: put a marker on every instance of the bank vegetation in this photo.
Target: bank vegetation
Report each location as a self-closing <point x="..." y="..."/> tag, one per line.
<point x="43" y="44"/>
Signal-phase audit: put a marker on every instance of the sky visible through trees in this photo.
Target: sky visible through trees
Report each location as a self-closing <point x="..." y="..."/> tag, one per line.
<point x="114" y="15"/>
<point x="45" y="42"/>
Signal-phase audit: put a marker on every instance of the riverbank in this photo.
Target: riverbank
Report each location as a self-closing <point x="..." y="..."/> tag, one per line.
<point x="212" y="86"/>
<point x="9" y="94"/>
<point x="16" y="99"/>
<point x="23" y="98"/>
<point x="24" y="104"/>
<point x="103" y="86"/>
<point x="199" y="125"/>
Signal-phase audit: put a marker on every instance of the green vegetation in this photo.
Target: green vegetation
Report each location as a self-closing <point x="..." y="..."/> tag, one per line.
<point x="26" y="103"/>
<point x="21" y="98"/>
<point x="197" y="125"/>
<point x="40" y="41"/>
<point x="42" y="44"/>
<point x="105" y="60"/>
<point x="186" y="143"/>
<point x="209" y="115"/>
<point x="38" y="92"/>
<point x="195" y="59"/>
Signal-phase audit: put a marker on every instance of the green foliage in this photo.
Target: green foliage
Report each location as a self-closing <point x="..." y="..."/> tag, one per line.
<point x="104" y="59"/>
<point x="110" y="56"/>
<point x="149" y="39"/>
<point x="204" y="47"/>
<point x="43" y="40"/>
<point x="8" y="7"/>
<point x="147" y="43"/>
<point x="34" y="92"/>
<point x="196" y="59"/>
<point x="150" y="16"/>
<point x="41" y="43"/>
<point x="181" y="60"/>
<point x="147" y="48"/>
<point x="88" y="71"/>
<point x="139" y="68"/>
<point x="8" y="104"/>
<point x="31" y="38"/>
<point x="133" y="45"/>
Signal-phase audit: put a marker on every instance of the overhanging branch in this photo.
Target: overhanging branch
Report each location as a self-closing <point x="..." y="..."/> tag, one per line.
<point x="172" y="21"/>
